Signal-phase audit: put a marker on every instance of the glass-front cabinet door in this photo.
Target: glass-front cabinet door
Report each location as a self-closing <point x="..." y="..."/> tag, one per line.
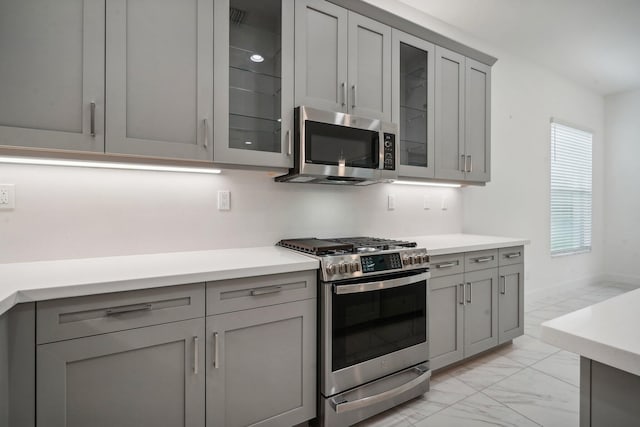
<point x="253" y="76"/>
<point x="413" y="100"/>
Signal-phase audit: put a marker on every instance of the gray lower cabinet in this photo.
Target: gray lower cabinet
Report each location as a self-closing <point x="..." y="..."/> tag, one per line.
<point x="261" y="366"/>
<point x="511" y="302"/>
<point x="480" y="311"/>
<point x="342" y="60"/>
<point x="151" y="376"/>
<point x="476" y="302"/>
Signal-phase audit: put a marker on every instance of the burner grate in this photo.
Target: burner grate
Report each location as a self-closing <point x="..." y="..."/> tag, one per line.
<point x="342" y="245"/>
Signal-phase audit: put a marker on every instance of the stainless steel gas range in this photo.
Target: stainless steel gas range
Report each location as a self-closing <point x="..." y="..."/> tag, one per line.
<point x="372" y="332"/>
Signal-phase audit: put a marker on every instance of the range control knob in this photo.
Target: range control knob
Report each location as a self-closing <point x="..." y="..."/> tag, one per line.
<point x="354" y="266"/>
<point x="342" y="268"/>
<point x="331" y="269"/>
<point x="407" y="260"/>
<point x="417" y="259"/>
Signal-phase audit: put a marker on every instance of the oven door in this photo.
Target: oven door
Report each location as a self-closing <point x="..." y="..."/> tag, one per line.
<point x="372" y="328"/>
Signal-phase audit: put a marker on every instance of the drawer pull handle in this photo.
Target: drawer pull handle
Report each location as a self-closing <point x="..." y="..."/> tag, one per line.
<point x="129" y="309"/>
<point x="462" y="294"/>
<point x="485" y="259"/>
<point x="512" y="255"/>
<point x="266" y="291"/>
<point x="447" y="264"/>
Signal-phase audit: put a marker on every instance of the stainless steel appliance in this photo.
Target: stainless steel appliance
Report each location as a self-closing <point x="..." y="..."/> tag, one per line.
<point x="373" y="344"/>
<point x="338" y="148"/>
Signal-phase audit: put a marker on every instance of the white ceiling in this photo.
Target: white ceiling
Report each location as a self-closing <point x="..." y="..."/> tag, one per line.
<point x="593" y="42"/>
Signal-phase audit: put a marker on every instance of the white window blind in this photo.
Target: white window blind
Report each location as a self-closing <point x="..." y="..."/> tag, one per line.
<point x="571" y="189"/>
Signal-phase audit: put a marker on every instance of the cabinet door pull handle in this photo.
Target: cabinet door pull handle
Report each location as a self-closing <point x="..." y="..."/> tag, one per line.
<point x="512" y="255"/>
<point x="463" y="162"/>
<point x="447" y="264"/>
<point x="470" y="299"/>
<point x="344" y="94"/>
<point x="470" y="164"/>
<point x="266" y="291"/>
<point x="216" y="363"/>
<point x="128" y="309"/>
<point x="195" y="355"/>
<point x="354" y="89"/>
<point x="462" y="295"/>
<point x="503" y="290"/>
<point x="485" y="259"/>
<point x="205" y="126"/>
<point x="289" y="147"/>
<point x="92" y="119"/>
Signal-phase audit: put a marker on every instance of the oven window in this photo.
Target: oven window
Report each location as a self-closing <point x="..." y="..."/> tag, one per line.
<point x="367" y="325"/>
<point x="328" y="144"/>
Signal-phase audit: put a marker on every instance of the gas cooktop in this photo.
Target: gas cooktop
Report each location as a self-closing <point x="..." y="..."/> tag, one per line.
<point x="352" y="257"/>
<point x="343" y="245"/>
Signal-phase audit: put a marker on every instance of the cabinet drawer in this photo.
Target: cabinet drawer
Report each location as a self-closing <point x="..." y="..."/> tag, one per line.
<point x="512" y="255"/>
<point x="480" y="260"/>
<point x="444" y="265"/>
<point x="76" y="317"/>
<point x="225" y="296"/>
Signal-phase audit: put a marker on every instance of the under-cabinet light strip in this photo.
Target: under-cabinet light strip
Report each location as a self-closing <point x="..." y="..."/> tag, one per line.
<point x="105" y="165"/>
<point x="428" y="184"/>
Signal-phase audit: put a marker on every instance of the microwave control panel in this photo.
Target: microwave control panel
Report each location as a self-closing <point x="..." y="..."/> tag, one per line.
<point x="389" y="151"/>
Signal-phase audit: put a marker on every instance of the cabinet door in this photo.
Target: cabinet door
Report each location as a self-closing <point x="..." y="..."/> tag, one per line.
<point x="413" y="102"/>
<point x="254" y="82"/>
<point x="321" y="55"/>
<point x="511" y="302"/>
<point x="160" y="78"/>
<point x="261" y="368"/>
<point x="369" y="68"/>
<point x="449" y="114"/>
<point x="481" y="311"/>
<point x="151" y="376"/>
<point x="478" y="121"/>
<point x="446" y="321"/>
<point x="52" y="70"/>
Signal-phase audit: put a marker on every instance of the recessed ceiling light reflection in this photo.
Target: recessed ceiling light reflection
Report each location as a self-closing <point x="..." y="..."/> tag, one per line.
<point x="256" y="57"/>
<point x="248" y="142"/>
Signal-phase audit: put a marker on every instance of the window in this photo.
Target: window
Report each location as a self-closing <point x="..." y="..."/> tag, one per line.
<point x="571" y="189"/>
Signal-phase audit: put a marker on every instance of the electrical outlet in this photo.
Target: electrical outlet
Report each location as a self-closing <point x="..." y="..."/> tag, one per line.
<point x="426" y="203"/>
<point x="443" y="204"/>
<point x="391" y="202"/>
<point x="7" y="196"/>
<point x="224" y="200"/>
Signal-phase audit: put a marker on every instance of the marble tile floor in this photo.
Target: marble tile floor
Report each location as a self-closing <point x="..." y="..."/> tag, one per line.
<point x="526" y="383"/>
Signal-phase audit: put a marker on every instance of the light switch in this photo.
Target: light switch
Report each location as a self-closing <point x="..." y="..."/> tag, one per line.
<point x="391" y="202"/>
<point x="443" y="204"/>
<point x="426" y="203"/>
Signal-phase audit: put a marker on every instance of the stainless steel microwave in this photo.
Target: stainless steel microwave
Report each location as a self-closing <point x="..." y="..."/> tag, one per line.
<point x="338" y="148"/>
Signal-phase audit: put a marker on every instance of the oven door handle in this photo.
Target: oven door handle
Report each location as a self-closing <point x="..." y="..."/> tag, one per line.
<point x="345" y="406"/>
<point x="379" y="285"/>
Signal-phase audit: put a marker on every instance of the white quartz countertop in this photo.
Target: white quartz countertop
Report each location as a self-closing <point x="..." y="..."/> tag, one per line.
<point x="36" y="281"/>
<point x="606" y="332"/>
<point x="441" y="244"/>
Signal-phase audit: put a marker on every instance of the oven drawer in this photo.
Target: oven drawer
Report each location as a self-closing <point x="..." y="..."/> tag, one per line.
<point x="480" y="260"/>
<point x="225" y="296"/>
<point x="67" y="318"/>
<point x="510" y="256"/>
<point x="444" y="265"/>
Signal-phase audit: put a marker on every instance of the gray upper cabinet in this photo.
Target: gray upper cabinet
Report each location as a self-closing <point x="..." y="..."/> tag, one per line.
<point x="342" y="60"/>
<point x="449" y="115"/>
<point x="478" y="121"/>
<point x="261" y="368"/>
<point x="463" y="118"/>
<point x="52" y="74"/>
<point x="152" y="376"/>
<point x="159" y="78"/>
<point x="254" y="82"/>
<point x="413" y="103"/>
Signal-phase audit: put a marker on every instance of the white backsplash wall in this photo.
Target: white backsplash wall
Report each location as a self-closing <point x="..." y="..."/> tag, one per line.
<point x="622" y="198"/>
<point x="66" y="212"/>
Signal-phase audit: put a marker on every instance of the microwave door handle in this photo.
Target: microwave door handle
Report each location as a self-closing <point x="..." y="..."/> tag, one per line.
<point x="379" y="285"/>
